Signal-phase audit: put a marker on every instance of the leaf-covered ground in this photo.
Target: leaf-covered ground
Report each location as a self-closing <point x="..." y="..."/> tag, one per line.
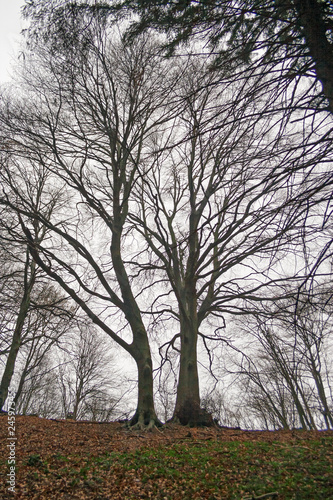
<point x="81" y="460"/>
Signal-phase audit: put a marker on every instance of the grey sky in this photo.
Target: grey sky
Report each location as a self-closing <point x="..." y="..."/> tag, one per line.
<point x="10" y="27"/>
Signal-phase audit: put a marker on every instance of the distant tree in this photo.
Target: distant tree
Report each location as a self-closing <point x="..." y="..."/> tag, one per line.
<point x="286" y="373"/>
<point x="313" y="335"/>
<point x="167" y="387"/>
<point x="224" y="411"/>
<point x="18" y="317"/>
<point x="50" y="319"/>
<point x="38" y="389"/>
<point x="26" y="300"/>
<point x="87" y="380"/>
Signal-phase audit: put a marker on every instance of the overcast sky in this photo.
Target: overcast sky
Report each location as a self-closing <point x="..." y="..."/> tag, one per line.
<point x="10" y="27"/>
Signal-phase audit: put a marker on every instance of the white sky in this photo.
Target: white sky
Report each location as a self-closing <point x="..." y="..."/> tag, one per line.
<point x="10" y="27"/>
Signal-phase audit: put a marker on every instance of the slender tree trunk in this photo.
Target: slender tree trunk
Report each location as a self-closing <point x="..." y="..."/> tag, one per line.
<point x="20" y="385"/>
<point x="78" y="399"/>
<point x="279" y="413"/>
<point x="25" y="372"/>
<point x="322" y="398"/>
<point x="17" y="335"/>
<point x="304" y="420"/>
<point x="11" y="359"/>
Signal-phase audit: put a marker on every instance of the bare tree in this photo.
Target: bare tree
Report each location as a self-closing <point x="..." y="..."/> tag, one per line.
<point x="27" y="283"/>
<point x="224" y="411"/>
<point x="39" y="314"/>
<point x="87" y="379"/>
<point x="39" y="392"/>
<point x="286" y="372"/>
<point x="228" y="190"/>
<point x="91" y="107"/>
<point x="50" y="318"/>
<point x="26" y="291"/>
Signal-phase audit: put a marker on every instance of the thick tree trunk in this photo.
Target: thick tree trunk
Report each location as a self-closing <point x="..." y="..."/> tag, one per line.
<point x="187" y="409"/>
<point x="145" y="415"/>
<point x="188" y="395"/>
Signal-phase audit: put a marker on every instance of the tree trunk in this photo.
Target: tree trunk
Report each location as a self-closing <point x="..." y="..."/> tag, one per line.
<point x="326" y="412"/>
<point x="14" y="348"/>
<point x="187" y="408"/>
<point x="320" y="49"/>
<point x="20" y="385"/>
<point x="77" y="399"/>
<point x="16" y="341"/>
<point x="145" y="414"/>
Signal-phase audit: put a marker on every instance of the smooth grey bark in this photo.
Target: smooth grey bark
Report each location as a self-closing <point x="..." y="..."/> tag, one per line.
<point x="188" y="395"/>
<point x="140" y="350"/>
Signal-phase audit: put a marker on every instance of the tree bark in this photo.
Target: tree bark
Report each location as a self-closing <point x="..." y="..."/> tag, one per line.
<point x="188" y="395"/>
<point x="187" y="409"/>
<point x="145" y="414"/>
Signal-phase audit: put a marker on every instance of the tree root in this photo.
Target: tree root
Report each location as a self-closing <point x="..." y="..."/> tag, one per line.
<point x="192" y="415"/>
<point x="142" y="423"/>
<point x="272" y="495"/>
<point x="141" y="426"/>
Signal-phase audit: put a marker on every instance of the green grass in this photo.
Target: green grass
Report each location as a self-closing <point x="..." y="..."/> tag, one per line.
<point x="205" y="470"/>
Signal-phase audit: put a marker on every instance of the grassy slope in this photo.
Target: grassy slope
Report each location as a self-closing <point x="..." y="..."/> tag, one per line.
<point x="189" y="465"/>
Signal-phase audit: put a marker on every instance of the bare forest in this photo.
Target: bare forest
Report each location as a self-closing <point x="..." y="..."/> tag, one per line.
<point x="166" y="214"/>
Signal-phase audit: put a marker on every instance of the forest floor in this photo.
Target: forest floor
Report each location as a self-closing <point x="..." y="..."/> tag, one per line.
<point x="58" y="459"/>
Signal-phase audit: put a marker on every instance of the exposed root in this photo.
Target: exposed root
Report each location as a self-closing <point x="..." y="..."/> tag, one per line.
<point x="272" y="495"/>
<point x="142" y="423"/>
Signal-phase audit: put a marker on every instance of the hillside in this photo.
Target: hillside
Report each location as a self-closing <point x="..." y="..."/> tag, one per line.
<point x="58" y="459"/>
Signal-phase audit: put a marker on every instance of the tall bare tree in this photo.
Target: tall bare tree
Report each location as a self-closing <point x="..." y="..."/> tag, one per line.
<point x="15" y="324"/>
<point x="221" y="210"/>
<point x="88" y="115"/>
